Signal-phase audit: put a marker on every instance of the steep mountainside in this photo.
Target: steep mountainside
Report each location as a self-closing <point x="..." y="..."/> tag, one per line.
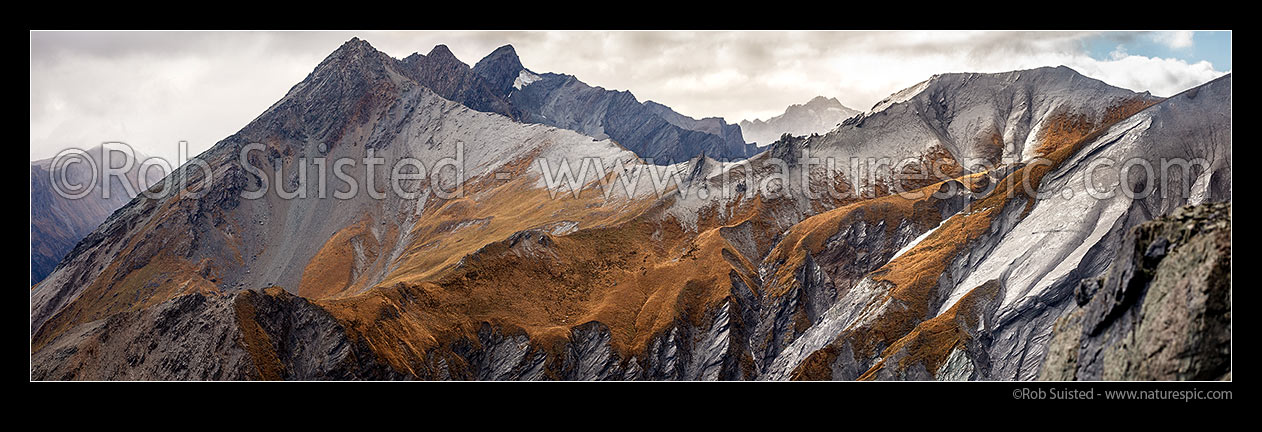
<point x="1004" y="271"/>
<point x="696" y="270"/>
<point x="711" y="125"/>
<point x="356" y="101"/>
<point x="57" y="221"/>
<point x="649" y="129"/>
<point x="817" y="116"/>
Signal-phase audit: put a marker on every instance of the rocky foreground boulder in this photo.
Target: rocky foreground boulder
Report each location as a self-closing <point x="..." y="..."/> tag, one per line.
<point x="1161" y="312"/>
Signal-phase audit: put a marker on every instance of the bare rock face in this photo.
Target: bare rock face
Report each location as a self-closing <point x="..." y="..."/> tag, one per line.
<point x="248" y="335"/>
<point x="450" y="78"/>
<point x="187" y="338"/>
<point x="1036" y="250"/>
<point x="1161" y="312"/>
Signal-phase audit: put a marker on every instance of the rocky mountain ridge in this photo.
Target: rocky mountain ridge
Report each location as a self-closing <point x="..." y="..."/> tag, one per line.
<point x="509" y="282"/>
<point x="651" y="130"/>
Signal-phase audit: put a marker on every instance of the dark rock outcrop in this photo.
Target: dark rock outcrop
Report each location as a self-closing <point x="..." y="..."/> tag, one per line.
<point x="450" y="78"/>
<point x="248" y="335"/>
<point x="1161" y="312"/>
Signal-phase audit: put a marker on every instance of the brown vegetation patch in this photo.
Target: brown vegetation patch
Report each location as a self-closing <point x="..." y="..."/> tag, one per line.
<point x="914" y="275"/>
<point x="546" y="285"/>
<point x="931" y="342"/>
<point x="808" y="236"/>
<point x="330" y="271"/>
<point x="257" y="342"/>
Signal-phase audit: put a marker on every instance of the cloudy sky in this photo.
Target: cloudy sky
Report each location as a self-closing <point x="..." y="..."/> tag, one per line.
<point x="154" y="89"/>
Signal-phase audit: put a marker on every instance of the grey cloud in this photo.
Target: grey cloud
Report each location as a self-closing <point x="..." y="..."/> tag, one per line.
<point x="159" y="87"/>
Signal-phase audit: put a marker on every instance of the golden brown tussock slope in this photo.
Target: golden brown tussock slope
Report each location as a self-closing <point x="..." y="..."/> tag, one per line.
<point x="637" y="278"/>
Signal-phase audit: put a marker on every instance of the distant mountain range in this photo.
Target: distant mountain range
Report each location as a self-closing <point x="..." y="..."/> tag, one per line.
<point x="57" y="221"/>
<point x="819" y="115"/>
<point x="1007" y="264"/>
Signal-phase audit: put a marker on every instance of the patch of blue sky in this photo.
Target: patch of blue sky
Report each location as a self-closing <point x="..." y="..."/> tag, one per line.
<point x="1211" y="46"/>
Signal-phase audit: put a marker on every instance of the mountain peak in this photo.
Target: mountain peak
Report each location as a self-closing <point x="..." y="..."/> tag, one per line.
<point x="504" y="51"/>
<point x="500" y="68"/>
<point x="1041" y="79"/>
<point x="354" y="64"/>
<point x="441" y="51"/>
<point x="354" y="45"/>
<point x="1061" y="71"/>
<point x="504" y="56"/>
<point x="351" y="52"/>
<point x="819" y="115"/>
<point x="822" y="100"/>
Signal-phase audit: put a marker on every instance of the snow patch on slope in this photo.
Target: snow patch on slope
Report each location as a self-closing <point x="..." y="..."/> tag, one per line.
<point x="902" y="96"/>
<point x="524" y="78"/>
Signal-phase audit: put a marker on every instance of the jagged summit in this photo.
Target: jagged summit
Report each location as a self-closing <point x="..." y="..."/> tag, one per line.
<point x="355" y="44"/>
<point x="454" y="80"/>
<point x="438" y="54"/>
<point x="822" y="100"/>
<point x="355" y="61"/>
<point x="505" y="54"/>
<point x="500" y="84"/>
<point x="350" y="52"/>
<point x="500" y="68"/>
<point x="442" y="52"/>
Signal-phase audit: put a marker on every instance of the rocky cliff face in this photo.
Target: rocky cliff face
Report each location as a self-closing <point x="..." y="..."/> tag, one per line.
<point x="1161" y="311"/>
<point x="519" y="279"/>
<point x="817" y="116"/>
<point x="444" y="74"/>
<point x="649" y="129"/>
<point x="1035" y="248"/>
<point x="267" y="334"/>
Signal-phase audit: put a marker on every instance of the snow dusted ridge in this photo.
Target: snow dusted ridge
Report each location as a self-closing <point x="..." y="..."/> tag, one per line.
<point x="902" y="96"/>
<point x="524" y="78"/>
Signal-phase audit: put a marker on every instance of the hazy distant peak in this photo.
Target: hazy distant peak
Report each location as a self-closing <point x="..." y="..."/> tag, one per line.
<point x="820" y="114"/>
